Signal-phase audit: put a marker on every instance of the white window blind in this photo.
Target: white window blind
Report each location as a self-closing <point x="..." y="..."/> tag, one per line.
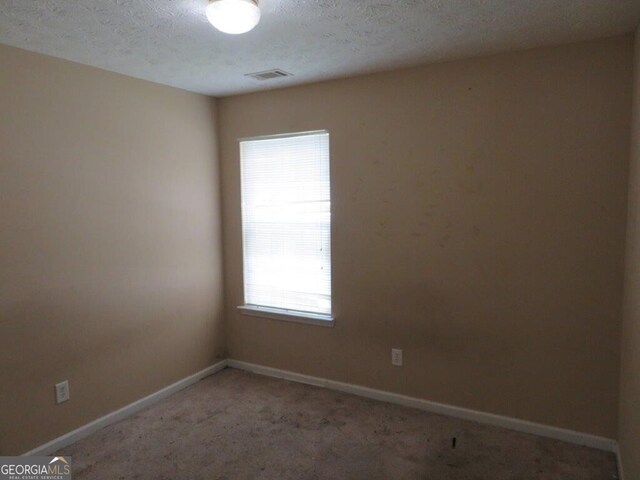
<point x="286" y="222"/>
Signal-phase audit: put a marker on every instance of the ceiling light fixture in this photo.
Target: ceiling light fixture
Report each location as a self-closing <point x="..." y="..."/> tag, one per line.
<point x="233" y="16"/>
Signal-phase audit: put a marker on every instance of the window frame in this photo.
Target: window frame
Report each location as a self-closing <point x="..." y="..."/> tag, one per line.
<point x="275" y="313"/>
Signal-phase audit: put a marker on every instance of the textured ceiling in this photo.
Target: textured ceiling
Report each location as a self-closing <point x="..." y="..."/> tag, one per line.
<point x="171" y="42"/>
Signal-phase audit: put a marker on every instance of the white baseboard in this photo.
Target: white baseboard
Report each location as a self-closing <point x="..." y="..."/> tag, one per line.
<point x="113" y="417"/>
<point x="518" y="425"/>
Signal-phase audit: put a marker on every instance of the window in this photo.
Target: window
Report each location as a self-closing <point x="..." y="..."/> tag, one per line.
<point x="286" y="226"/>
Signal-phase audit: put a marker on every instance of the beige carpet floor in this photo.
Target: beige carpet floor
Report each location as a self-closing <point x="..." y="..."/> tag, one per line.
<point x="236" y="425"/>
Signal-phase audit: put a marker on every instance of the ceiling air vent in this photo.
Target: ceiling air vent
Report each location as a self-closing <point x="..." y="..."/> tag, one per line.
<point x="268" y="75"/>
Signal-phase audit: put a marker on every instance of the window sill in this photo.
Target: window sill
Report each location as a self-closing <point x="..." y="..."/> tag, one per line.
<point x="316" y="319"/>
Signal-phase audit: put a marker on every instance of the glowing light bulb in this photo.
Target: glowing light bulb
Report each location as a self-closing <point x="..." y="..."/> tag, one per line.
<point x="233" y="16"/>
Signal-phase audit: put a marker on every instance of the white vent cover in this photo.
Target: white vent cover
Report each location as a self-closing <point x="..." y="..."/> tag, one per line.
<point x="268" y="75"/>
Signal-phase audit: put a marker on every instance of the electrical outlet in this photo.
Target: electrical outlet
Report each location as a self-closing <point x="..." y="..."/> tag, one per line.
<point x="396" y="357"/>
<point x="62" y="391"/>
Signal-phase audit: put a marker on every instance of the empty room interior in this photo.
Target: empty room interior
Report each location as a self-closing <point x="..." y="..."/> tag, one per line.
<point x="276" y="239"/>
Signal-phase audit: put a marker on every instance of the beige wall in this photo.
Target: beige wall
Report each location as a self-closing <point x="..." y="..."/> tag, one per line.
<point x="629" y="428"/>
<point x="478" y="223"/>
<point x="479" y="217"/>
<point x="110" y="268"/>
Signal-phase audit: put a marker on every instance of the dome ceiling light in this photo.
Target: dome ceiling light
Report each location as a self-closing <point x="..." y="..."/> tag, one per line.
<point x="233" y="16"/>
